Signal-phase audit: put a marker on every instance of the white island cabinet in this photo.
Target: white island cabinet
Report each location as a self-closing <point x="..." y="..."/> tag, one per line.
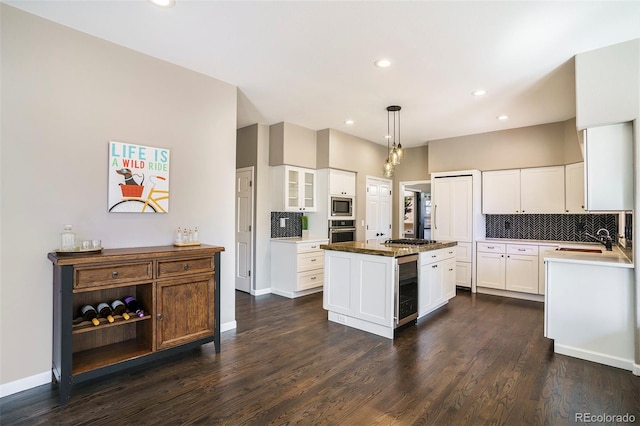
<point x="588" y="308"/>
<point x="359" y="291"/>
<point x="362" y="280"/>
<point x="297" y="266"/>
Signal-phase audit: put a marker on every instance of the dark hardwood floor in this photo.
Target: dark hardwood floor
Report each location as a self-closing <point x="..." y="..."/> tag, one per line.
<point x="480" y="360"/>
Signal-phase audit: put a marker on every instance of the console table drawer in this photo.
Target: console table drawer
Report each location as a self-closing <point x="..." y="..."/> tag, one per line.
<point x="172" y="268"/>
<point x="112" y="274"/>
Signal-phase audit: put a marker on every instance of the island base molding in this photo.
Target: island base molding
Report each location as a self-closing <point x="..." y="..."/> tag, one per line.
<point x="294" y="294"/>
<point x="363" y="325"/>
<point x="600" y="358"/>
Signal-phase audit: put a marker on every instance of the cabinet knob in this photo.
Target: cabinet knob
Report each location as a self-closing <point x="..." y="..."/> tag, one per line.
<point x="159" y="316"/>
<point x="313" y="260"/>
<point x="186" y="267"/>
<point x="434" y="266"/>
<point x="450" y="269"/>
<point x="114" y="274"/>
<point x="313" y="278"/>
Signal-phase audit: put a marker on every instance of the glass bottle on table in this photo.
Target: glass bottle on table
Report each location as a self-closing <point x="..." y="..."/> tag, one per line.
<point x="68" y="239"/>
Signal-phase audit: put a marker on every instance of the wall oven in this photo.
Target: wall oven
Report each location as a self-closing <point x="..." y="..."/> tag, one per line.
<point x="406" y="290"/>
<point x="341" y="231"/>
<point x="342" y="207"/>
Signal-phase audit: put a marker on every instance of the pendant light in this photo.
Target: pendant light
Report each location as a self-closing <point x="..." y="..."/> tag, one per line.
<point x="395" y="153"/>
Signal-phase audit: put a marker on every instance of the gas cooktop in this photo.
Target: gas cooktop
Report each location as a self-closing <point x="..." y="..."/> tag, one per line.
<point x="411" y="241"/>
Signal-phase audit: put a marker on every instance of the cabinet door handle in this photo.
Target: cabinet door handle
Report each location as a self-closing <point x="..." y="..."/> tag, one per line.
<point x="434" y="255"/>
<point x="450" y="269"/>
<point x="159" y="316"/>
<point x="313" y="260"/>
<point x="186" y="267"/>
<point x="434" y="266"/>
<point x="522" y="249"/>
<point x="114" y="274"/>
<point x="435" y="216"/>
<point x="313" y="278"/>
<point x="490" y="248"/>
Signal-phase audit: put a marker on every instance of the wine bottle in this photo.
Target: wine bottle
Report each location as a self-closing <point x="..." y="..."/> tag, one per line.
<point x="119" y="308"/>
<point x="133" y="306"/>
<point x="105" y="311"/>
<point x="89" y="313"/>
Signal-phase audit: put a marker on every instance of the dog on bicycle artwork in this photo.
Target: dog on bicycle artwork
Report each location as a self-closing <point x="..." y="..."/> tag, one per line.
<point x="128" y="177"/>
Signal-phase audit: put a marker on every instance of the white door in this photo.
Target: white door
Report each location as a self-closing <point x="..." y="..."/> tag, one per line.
<point x="244" y="229"/>
<point x="378" y="219"/>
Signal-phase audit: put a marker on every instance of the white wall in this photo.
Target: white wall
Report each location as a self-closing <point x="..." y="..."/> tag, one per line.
<point x="65" y="95"/>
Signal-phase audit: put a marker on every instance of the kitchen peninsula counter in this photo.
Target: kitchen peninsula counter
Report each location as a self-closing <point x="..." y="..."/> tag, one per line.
<point x="380" y="249"/>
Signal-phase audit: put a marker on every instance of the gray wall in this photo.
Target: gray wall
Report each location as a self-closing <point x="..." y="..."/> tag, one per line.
<point x="65" y="95"/>
<point x="534" y="146"/>
<point x="293" y="145"/>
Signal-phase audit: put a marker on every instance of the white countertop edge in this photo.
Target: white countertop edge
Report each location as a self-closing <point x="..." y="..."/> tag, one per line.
<point x="298" y="240"/>
<point x="619" y="261"/>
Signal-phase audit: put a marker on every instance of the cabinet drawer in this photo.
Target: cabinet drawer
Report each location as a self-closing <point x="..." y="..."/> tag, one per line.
<point x="172" y="268"/>
<point x="310" y="279"/>
<point x="112" y="274"/>
<point x="431" y="256"/>
<point x="310" y="261"/>
<point x="491" y="248"/>
<point x="522" y="249"/>
<point x="307" y="247"/>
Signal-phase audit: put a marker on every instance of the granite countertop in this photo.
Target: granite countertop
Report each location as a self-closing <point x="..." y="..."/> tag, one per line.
<point x="379" y="249"/>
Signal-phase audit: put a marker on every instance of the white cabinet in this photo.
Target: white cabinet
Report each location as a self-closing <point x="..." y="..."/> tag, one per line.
<point x="574" y="188"/>
<point x="359" y="291"/>
<point x="451" y="200"/>
<point x="501" y="192"/>
<point x="293" y="189"/>
<point x="491" y="265"/>
<point x="342" y="182"/>
<point x="542" y="190"/>
<point x="297" y="267"/>
<point x="437" y="279"/>
<point x="512" y="267"/>
<point x="521" y="272"/>
<point x="608" y="152"/>
<point x="533" y="190"/>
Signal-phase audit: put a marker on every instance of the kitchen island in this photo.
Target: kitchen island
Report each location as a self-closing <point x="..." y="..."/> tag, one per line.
<point x="589" y="305"/>
<point x="372" y="286"/>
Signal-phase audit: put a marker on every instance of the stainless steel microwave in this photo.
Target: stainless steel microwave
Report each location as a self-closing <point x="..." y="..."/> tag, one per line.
<point x="341" y="206"/>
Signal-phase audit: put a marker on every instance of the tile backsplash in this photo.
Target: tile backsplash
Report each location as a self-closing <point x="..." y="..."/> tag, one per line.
<point x="555" y="227"/>
<point x="292" y="228"/>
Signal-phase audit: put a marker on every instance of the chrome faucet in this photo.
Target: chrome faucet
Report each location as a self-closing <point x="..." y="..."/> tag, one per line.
<point x="604" y="239"/>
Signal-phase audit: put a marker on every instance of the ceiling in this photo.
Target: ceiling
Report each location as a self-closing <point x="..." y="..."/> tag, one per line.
<point x="311" y="62"/>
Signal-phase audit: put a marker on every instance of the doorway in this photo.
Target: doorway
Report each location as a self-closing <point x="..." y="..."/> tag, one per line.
<point x="244" y="229"/>
<point x="414" y="201"/>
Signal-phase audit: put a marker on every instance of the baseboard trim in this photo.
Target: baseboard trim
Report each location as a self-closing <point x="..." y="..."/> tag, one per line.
<point x="231" y="325"/>
<point x="20" y="385"/>
<point x="636" y="369"/>
<point x="600" y="358"/>
<point x="512" y="294"/>
<point x="261" y="292"/>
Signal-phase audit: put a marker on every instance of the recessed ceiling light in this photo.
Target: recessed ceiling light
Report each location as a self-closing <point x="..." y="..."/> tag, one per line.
<point x="503" y="117"/>
<point x="164" y="3"/>
<point x="382" y="63"/>
<point x="479" y="92"/>
<point x="348" y="122"/>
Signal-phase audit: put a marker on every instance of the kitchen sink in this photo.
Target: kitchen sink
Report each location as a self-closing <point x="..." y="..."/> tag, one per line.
<point x="580" y="250"/>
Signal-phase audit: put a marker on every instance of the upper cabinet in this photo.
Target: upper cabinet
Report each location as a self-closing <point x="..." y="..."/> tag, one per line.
<point x="293" y="189"/>
<point x="342" y="183"/>
<point x="542" y="190"/>
<point x="608" y="152"/>
<point x="574" y="188"/>
<point x="608" y="85"/>
<point x="501" y="192"/>
<point x="534" y="190"/>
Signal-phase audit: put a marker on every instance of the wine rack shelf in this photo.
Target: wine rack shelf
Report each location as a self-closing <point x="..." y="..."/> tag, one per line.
<point x="178" y="287"/>
<point x="82" y="326"/>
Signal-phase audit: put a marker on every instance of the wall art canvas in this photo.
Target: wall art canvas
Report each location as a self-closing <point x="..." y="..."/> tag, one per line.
<point x="138" y="178"/>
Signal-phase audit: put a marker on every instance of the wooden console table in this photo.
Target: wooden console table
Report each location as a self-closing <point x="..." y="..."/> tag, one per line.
<point x="178" y="288"/>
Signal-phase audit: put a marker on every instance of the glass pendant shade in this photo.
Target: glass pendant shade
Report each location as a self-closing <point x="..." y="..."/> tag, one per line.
<point x="400" y="152"/>
<point x="394" y="156"/>
<point x="387" y="169"/>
